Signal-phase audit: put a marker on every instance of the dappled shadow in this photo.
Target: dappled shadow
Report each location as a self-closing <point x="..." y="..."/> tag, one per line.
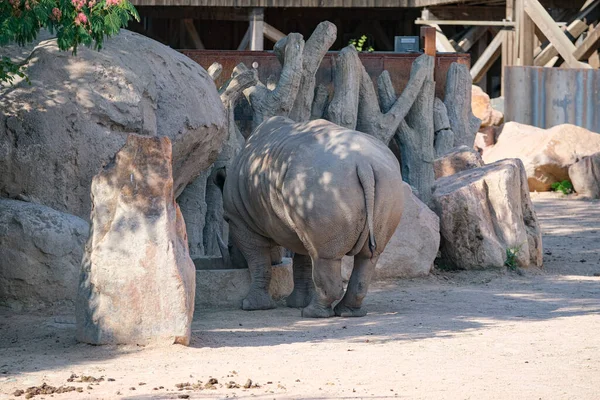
<point x="412" y="311"/>
<point x="571" y="233"/>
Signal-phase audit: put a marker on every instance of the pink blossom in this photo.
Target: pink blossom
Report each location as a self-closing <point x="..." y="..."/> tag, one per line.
<point x="56" y="13"/>
<point x="80" y="19"/>
<point x="113" y="2"/>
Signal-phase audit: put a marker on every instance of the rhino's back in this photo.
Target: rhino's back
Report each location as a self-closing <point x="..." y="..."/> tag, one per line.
<point x="305" y="176"/>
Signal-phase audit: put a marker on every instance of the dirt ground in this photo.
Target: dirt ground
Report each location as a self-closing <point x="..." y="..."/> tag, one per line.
<point x="461" y="335"/>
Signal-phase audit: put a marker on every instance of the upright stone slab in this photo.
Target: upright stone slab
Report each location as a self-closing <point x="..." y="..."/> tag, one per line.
<point x="483" y="213"/>
<point x="137" y="281"/>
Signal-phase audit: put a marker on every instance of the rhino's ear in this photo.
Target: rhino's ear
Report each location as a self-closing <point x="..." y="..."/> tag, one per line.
<point x="219" y="177"/>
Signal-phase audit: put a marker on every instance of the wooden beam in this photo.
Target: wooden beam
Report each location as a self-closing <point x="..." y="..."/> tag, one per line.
<point x="442" y="43"/>
<point x="428" y="42"/>
<point x="245" y="40"/>
<point x="272" y="33"/>
<point x="193" y="33"/>
<point x="477" y="13"/>
<point x="482" y="44"/>
<point x="471" y="37"/>
<point x="488" y="57"/>
<point x="544" y="21"/>
<point x="575" y="29"/>
<point x="257" y="17"/>
<point x="589" y="45"/>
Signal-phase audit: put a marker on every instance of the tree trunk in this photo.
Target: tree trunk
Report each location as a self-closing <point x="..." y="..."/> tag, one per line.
<point x="415" y="133"/>
<point x="267" y="103"/>
<point x="383" y="125"/>
<point x="458" y="103"/>
<point x="315" y="49"/>
<point x="343" y="109"/>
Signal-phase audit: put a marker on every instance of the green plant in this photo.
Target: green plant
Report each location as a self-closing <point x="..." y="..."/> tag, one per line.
<point x="359" y="44"/>
<point x="74" y="22"/>
<point x="511" y="257"/>
<point x="565" y="187"/>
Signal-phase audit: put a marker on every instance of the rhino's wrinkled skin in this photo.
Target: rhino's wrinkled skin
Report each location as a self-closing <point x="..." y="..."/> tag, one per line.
<point x="323" y="192"/>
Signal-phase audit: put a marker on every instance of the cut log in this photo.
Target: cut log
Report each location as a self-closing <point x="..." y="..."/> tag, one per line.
<point x="215" y="70"/>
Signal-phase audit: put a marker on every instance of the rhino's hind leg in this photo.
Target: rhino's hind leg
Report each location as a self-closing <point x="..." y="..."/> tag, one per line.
<point x="327" y="277"/>
<point x="303" y="282"/>
<point x="358" y="286"/>
<point x="257" y="252"/>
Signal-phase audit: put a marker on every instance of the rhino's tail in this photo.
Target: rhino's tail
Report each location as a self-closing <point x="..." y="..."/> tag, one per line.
<point x="366" y="176"/>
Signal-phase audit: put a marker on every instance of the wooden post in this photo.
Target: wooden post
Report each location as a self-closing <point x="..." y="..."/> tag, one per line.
<point x="428" y="36"/>
<point x="526" y="32"/>
<point x="257" y="16"/>
<point x="507" y="42"/>
<point x="482" y="45"/>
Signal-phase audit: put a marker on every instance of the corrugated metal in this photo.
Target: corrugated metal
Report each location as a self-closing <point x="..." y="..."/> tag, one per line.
<point x="398" y="65"/>
<point x="546" y="97"/>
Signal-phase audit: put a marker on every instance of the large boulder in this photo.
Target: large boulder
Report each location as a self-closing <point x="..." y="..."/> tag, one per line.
<point x="482" y="108"/>
<point x="412" y="249"/>
<point x="459" y="159"/>
<point x="585" y="176"/>
<point x="137" y="281"/>
<point x="486" y="213"/>
<point x="546" y="153"/>
<point x="56" y="133"/>
<point x="40" y="254"/>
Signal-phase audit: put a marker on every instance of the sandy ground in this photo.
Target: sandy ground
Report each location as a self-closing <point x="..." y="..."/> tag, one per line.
<point x="467" y="335"/>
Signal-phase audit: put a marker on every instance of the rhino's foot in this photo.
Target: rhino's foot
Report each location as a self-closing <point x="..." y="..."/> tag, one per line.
<point x="316" y="311"/>
<point x="258" y="301"/>
<point x="342" y="310"/>
<point x="298" y="299"/>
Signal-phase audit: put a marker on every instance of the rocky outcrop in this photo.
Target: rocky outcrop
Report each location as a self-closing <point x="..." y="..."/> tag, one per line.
<point x="412" y="249"/>
<point x="40" y="254"/>
<point x="56" y="134"/>
<point x="460" y="159"/>
<point x="137" y="281"/>
<point x="482" y="108"/>
<point x="486" y="213"/>
<point x="546" y="153"/>
<point x="585" y="176"/>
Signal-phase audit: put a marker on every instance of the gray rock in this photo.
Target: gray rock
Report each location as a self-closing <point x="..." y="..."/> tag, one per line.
<point x="226" y="288"/>
<point x="459" y="159"/>
<point x="56" y="134"/>
<point x="485" y="212"/>
<point x="40" y="254"/>
<point x="585" y="176"/>
<point x="412" y="249"/>
<point x="137" y="279"/>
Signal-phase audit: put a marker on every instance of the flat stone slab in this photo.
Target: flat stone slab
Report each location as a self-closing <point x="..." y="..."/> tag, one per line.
<point x="226" y="288"/>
